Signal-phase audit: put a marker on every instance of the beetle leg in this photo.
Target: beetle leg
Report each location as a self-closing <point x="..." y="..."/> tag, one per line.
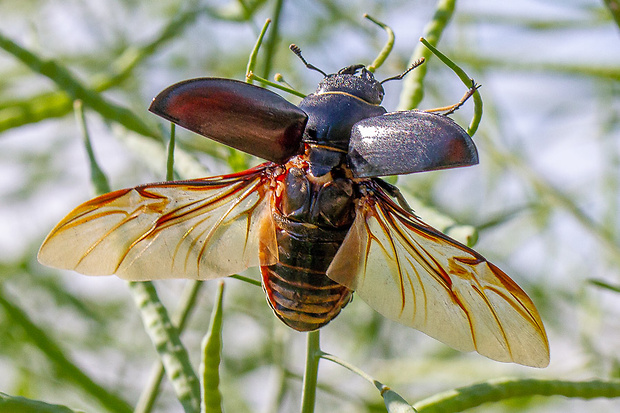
<point x="447" y="110"/>
<point x="394" y="192"/>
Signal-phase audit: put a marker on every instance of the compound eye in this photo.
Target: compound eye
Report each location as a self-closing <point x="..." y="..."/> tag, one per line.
<point x="350" y="70"/>
<point x="367" y="75"/>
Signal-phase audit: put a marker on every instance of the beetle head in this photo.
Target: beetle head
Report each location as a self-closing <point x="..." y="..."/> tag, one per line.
<point x="355" y="80"/>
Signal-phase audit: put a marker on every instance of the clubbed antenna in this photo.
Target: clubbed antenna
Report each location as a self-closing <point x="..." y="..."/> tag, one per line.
<point x="398" y="77"/>
<point x="295" y="49"/>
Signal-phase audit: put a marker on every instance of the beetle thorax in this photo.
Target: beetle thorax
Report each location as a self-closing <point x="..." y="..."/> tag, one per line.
<point x="324" y="200"/>
<point x="362" y="85"/>
<point x="340" y="101"/>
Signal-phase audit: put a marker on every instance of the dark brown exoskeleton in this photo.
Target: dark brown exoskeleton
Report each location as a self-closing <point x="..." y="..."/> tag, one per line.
<point x="315" y="202"/>
<point x="316" y="218"/>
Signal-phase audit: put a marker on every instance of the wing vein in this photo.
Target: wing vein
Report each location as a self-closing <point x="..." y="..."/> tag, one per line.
<point x="468" y="303"/>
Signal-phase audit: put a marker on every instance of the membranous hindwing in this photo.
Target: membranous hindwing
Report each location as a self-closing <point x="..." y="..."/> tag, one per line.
<point x="414" y="274"/>
<point x="199" y="229"/>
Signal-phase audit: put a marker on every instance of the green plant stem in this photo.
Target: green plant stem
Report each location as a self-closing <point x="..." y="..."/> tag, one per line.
<point x="614" y="8"/>
<point x="413" y="87"/>
<point x="64" y="367"/>
<point x="170" y="158"/>
<point x="157" y="324"/>
<point x="211" y="400"/>
<point x="386" y="50"/>
<point x="250" y="76"/>
<point x="254" y="54"/>
<point x="97" y="177"/>
<point x="246" y="279"/>
<point x="57" y="104"/>
<point x="352" y="368"/>
<point x="393" y="401"/>
<point x="605" y="285"/>
<point x="154" y="315"/>
<point x="471" y="396"/>
<point x="313" y="356"/>
<point x="179" y="319"/>
<point x="253" y="76"/>
<point x="272" y="40"/>
<point x="468" y="81"/>
<point x="166" y="340"/>
<point x="69" y="83"/>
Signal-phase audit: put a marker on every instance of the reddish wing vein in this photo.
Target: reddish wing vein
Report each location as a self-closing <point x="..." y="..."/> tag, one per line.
<point x="202" y="229"/>
<point x="414" y="274"/>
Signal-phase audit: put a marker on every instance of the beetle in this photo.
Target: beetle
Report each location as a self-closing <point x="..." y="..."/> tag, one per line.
<point x="316" y="217"/>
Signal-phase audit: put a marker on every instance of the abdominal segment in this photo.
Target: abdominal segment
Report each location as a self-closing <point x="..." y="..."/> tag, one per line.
<point x="313" y="208"/>
<point x="297" y="289"/>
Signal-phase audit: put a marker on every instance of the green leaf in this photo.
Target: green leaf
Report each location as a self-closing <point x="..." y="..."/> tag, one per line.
<point x="16" y="404"/>
<point x="395" y="403"/>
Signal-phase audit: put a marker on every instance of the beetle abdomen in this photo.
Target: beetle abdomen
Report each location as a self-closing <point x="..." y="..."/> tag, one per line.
<point x="312" y="216"/>
<point x="297" y="289"/>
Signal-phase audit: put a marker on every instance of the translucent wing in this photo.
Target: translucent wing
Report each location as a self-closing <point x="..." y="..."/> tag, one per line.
<point x="201" y="229"/>
<point x="414" y="274"/>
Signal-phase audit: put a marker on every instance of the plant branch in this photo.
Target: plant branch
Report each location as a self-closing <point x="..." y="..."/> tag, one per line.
<point x="313" y="356"/>
<point x="495" y="390"/>
<point x="413" y="87"/>
<point x="69" y="83"/>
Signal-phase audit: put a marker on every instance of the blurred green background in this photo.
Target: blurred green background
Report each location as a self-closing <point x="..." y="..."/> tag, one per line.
<point x="545" y="197"/>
